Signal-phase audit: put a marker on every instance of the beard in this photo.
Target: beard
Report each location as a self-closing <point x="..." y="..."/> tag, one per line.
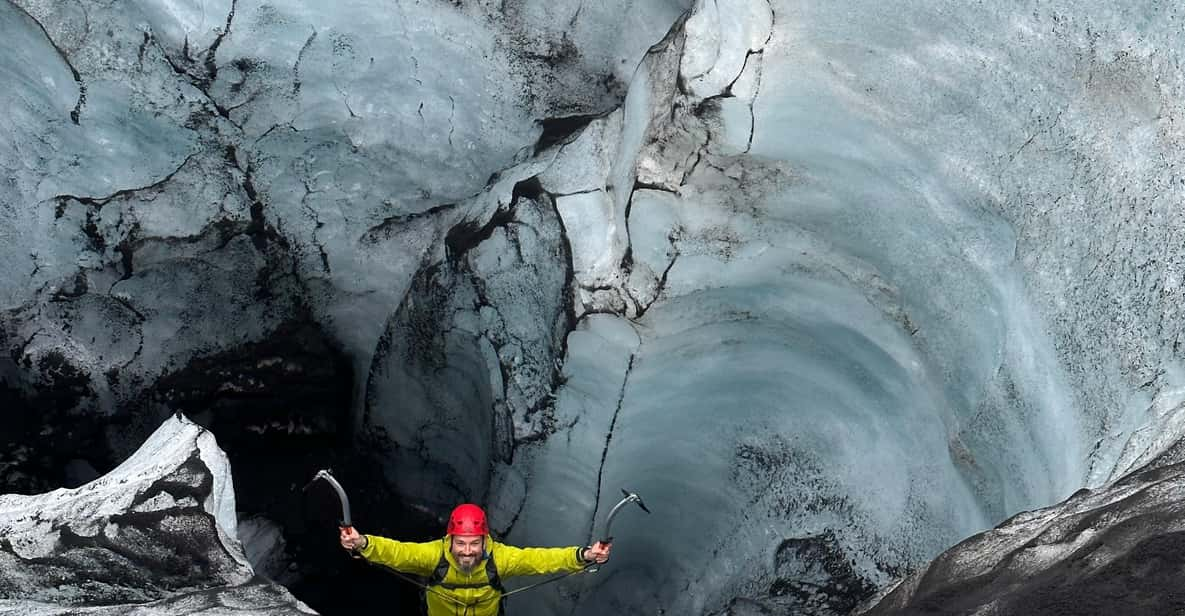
<point x="466" y="563"/>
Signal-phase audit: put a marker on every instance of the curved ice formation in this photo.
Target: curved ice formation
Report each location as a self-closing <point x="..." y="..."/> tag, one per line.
<point x="832" y="286"/>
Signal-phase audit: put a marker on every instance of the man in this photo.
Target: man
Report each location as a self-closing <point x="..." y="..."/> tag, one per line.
<point x="466" y="567"/>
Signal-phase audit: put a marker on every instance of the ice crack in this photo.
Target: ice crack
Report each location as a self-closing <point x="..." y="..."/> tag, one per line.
<point x="99" y="202"/>
<point x="609" y="439"/>
<point x="211" y="62"/>
<point x="76" y="113"/>
<point x="299" y="58"/>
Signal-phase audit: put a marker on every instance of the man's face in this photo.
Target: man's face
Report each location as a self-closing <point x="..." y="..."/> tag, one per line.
<point x="468" y="550"/>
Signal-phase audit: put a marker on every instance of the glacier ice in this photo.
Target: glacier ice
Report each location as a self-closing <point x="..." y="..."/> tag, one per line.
<point x="837" y="284"/>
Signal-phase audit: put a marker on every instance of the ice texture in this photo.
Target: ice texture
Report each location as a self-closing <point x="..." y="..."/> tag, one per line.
<point x="832" y="286"/>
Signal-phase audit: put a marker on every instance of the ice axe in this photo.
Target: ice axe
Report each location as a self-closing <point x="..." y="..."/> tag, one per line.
<point x="346" y="522"/>
<point x="341" y="496"/>
<point x="630" y="497"/>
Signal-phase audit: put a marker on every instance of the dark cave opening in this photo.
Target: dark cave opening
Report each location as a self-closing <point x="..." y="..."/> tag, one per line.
<point x="280" y="409"/>
<point x="46" y="440"/>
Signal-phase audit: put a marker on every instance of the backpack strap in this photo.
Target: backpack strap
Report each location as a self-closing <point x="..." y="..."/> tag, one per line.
<point x="492" y="574"/>
<point x="496" y="582"/>
<point x="437" y="577"/>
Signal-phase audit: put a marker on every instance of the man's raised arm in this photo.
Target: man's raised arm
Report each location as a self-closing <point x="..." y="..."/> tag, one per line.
<point x="542" y="561"/>
<point x="415" y="558"/>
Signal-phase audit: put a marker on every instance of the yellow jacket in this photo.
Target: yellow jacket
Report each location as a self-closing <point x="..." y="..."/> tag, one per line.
<point x="474" y="597"/>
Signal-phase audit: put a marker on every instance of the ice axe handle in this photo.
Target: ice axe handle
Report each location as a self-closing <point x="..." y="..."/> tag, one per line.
<point x="324" y="475"/>
<point x="346" y="522"/>
<point x="630" y="497"/>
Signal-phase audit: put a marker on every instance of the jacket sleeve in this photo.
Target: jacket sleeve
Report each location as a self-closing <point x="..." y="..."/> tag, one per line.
<point x="537" y="561"/>
<point x="414" y="558"/>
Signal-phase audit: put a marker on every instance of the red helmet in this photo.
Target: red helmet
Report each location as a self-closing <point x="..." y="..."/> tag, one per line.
<point x="467" y="520"/>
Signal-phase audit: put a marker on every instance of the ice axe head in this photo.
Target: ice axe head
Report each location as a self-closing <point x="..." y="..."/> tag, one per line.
<point x="630" y="497"/>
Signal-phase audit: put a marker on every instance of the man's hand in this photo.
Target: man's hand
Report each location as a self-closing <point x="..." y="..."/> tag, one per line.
<point x="352" y="541"/>
<point x="597" y="552"/>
